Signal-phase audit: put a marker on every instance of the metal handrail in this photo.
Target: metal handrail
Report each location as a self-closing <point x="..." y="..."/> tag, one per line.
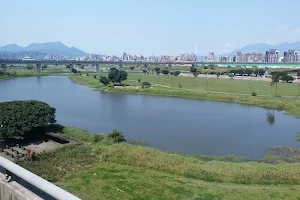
<point x="36" y="181"/>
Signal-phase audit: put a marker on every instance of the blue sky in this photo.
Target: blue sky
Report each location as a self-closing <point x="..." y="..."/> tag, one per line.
<point x="150" y="27"/>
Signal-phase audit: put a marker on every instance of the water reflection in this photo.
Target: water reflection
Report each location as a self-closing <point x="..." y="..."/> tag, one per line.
<point x="270" y="117"/>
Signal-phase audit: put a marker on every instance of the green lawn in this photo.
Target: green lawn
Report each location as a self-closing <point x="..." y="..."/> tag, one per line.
<point x="219" y="85"/>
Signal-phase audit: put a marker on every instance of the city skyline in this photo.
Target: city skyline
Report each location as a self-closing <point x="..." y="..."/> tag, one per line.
<point x="161" y="29"/>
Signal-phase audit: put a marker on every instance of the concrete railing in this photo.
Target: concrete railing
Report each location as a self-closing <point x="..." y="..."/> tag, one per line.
<point x="45" y="186"/>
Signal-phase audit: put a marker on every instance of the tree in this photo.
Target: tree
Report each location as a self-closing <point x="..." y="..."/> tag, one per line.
<point x="20" y="117"/>
<point x="157" y="69"/>
<point x="172" y="73"/>
<point x="131" y="68"/>
<point x="104" y="80"/>
<point x="116" y="75"/>
<point x="116" y="136"/>
<point x="144" y="71"/>
<point x="193" y="70"/>
<point x="275" y="80"/>
<point x="165" y="71"/>
<point x="287" y="78"/>
<point x="44" y="67"/>
<point x="177" y="73"/>
<point x="298" y="74"/>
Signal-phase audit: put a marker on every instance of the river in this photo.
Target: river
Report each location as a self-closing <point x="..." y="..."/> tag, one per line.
<point x="173" y="124"/>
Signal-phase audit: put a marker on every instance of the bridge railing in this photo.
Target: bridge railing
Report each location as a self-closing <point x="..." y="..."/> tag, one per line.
<point x="45" y="186"/>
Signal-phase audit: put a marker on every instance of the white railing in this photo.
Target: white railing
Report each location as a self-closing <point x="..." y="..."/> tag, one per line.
<point x="36" y="181"/>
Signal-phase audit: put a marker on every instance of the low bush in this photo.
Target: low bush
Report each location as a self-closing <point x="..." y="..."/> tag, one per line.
<point x="146" y="84"/>
<point x="254" y="94"/>
<point x="98" y="138"/>
<point x="116" y="136"/>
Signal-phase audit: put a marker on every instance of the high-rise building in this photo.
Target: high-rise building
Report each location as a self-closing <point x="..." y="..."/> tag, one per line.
<point x="291" y="56"/>
<point x="210" y="56"/>
<point x="272" y="56"/>
<point x="249" y="57"/>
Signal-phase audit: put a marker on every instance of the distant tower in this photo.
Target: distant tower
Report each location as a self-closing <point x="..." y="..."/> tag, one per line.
<point x="196" y="49"/>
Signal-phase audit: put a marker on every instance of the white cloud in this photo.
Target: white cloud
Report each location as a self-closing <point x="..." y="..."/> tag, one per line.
<point x="228" y="44"/>
<point x="283" y="28"/>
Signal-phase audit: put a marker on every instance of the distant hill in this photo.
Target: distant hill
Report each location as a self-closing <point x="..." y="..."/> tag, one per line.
<point x="52" y="48"/>
<point x="263" y="47"/>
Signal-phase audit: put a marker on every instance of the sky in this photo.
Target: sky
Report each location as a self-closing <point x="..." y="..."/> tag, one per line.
<point x="150" y="27"/>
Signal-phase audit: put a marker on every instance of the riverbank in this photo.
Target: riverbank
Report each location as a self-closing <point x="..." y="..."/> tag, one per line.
<point x="291" y="105"/>
<point x="100" y="169"/>
<point x="8" y="76"/>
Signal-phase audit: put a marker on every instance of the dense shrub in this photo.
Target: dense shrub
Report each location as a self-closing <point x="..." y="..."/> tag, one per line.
<point x="104" y="80"/>
<point x="254" y="94"/>
<point x="176" y="73"/>
<point x="74" y="70"/>
<point x="165" y="71"/>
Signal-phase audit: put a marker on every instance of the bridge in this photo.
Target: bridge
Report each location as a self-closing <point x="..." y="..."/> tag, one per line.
<point x="71" y="63"/>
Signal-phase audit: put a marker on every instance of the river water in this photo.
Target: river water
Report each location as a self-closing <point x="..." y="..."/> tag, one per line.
<point x="173" y="124"/>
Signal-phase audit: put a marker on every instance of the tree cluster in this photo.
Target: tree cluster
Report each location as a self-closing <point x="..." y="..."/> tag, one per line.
<point x="283" y="76"/>
<point x="20" y="117"/>
<point x="116" y="76"/>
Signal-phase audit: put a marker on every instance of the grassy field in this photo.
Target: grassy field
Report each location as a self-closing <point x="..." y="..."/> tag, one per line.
<point x="216" y="84"/>
<point x="105" y="170"/>
<point x="220" y="85"/>
<point x="291" y="105"/>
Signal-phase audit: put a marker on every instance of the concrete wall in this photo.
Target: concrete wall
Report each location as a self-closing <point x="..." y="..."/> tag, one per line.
<point x="14" y="191"/>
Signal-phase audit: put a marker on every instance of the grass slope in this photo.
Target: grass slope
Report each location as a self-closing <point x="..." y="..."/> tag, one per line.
<point x="123" y="171"/>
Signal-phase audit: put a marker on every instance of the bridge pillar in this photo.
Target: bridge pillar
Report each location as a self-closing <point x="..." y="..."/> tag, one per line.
<point x="4" y="68"/>
<point x="146" y="67"/>
<point x="71" y="67"/>
<point x="228" y="68"/>
<point x="169" y="67"/>
<point x="267" y="69"/>
<point x="38" y="68"/>
<point x="97" y="68"/>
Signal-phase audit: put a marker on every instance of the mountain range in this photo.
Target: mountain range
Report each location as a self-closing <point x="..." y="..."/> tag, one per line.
<point x="51" y="48"/>
<point x="263" y="47"/>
